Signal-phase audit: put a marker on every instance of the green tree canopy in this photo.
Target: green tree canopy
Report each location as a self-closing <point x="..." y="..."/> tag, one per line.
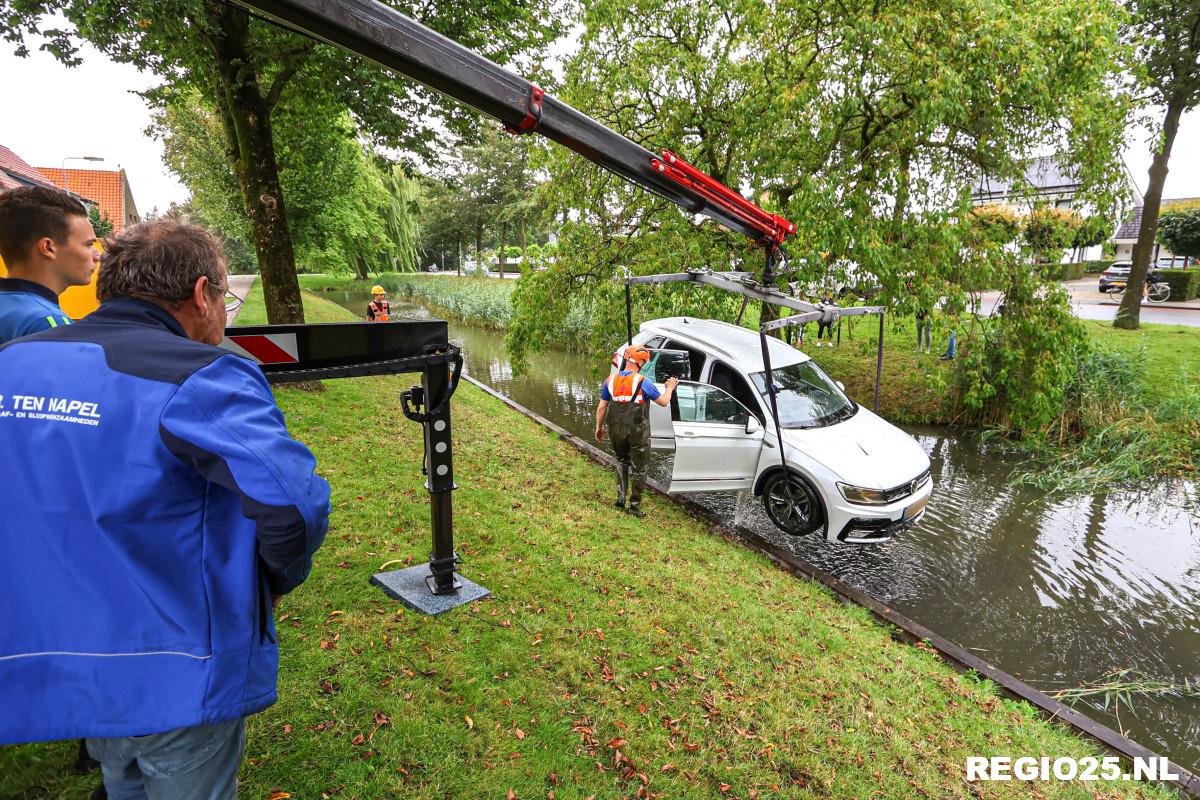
<point x="865" y="124"/>
<point x="1049" y="231"/>
<point x="490" y="195"/>
<point x="1179" y="230"/>
<point x="1166" y="37"/>
<point x="101" y="224"/>
<point x="345" y="213"/>
<point x="242" y="68"/>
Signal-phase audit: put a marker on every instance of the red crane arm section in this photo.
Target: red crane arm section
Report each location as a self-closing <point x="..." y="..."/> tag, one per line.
<point x="772" y="226"/>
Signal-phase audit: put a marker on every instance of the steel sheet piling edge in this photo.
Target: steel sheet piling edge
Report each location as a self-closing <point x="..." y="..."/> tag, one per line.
<point x="1188" y="784"/>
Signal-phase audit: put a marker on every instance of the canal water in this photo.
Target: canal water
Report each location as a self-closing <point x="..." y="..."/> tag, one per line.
<point x="1057" y="591"/>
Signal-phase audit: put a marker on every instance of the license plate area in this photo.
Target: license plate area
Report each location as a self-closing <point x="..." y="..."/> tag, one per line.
<point x="916" y="508"/>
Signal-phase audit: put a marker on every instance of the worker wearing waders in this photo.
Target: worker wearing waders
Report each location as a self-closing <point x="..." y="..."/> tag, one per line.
<point x="623" y="403"/>
<point x="379" y="309"/>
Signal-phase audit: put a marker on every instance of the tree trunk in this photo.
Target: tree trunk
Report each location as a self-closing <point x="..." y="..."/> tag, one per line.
<point x="501" y="255"/>
<point x="362" y="270"/>
<point x="1130" y="313"/>
<point x="248" y="123"/>
<point x="479" y="248"/>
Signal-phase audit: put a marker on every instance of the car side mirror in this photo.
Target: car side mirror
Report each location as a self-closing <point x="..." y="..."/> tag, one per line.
<point x="752" y="425"/>
<point x="841" y="385"/>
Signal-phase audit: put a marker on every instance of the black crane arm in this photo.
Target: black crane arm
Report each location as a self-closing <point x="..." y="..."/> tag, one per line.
<point x="374" y="31"/>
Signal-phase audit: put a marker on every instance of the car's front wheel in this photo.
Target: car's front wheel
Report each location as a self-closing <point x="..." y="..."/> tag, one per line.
<point x="792" y="504"/>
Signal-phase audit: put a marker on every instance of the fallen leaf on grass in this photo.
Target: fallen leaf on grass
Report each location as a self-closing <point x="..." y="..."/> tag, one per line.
<point x="520" y="734"/>
<point x="287" y="728"/>
<point x="358" y="739"/>
<point x="470" y="723"/>
<point x="278" y="794"/>
<point x="511" y="795"/>
<point x="381" y="719"/>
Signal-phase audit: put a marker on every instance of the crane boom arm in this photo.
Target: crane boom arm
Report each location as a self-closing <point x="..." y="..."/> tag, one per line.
<point x="376" y="32"/>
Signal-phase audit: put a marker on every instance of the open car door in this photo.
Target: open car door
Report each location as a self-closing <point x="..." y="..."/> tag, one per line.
<point x="717" y="440"/>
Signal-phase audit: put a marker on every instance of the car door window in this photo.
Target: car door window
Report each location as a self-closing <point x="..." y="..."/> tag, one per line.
<point x="724" y="377"/>
<point x="695" y="357"/>
<point x="701" y="403"/>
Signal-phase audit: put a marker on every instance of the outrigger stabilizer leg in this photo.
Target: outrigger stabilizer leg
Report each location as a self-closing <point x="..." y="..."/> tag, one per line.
<point x="437" y="383"/>
<point x="438" y="587"/>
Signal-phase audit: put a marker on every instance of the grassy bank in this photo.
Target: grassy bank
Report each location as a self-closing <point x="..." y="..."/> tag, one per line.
<point x="613" y="656"/>
<point x="316" y="308"/>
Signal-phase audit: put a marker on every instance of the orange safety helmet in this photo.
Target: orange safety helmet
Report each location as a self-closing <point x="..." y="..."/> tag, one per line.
<point x="637" y="355"/>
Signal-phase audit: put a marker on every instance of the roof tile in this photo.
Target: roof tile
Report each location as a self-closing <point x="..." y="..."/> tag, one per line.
<point x="103" y="186"/>
<point x="15" y="171"/>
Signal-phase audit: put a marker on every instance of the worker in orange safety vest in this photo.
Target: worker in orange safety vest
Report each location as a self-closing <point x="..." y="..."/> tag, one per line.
<point x="623" y="403"/>
<point x="379" y="309"/>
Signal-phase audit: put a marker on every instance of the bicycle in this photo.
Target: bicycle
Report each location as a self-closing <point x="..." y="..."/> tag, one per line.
<point x="1158" y="292"/>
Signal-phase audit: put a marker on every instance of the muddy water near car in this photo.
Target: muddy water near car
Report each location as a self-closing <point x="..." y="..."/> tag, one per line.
<point x="1057" y="591"/>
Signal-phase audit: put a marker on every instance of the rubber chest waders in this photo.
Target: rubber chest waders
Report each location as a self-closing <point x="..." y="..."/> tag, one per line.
<point x="629" y="429"/>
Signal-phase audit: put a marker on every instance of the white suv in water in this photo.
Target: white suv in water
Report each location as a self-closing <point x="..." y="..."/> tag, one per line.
<point x="849" y="473"/>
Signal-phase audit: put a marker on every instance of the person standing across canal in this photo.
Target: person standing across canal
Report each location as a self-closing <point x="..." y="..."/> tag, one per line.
<point x="623" y="405"/>
<point x="379" y="309"/>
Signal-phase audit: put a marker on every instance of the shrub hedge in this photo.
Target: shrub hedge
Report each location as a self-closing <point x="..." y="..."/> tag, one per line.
<point x="1096" y="267"/>
<point x="1065" y="272"/>
<point x="1184" y="283"/>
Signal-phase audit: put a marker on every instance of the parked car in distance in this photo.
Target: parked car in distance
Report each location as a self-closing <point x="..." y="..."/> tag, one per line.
<point x="844" y="471"/>
<point x="1116" y="275"/>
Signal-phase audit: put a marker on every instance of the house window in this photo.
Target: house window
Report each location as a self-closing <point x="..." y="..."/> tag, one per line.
<point x="1063" y="203"/>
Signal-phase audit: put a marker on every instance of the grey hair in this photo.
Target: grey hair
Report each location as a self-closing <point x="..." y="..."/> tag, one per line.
<point x="160" y="261"/>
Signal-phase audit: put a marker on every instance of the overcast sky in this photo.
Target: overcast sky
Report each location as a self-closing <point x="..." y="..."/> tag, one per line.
<point x="51" y="112"/>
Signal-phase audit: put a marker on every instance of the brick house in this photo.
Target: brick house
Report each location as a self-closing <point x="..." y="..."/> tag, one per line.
<point x="110" y="191"/>
<point x="15" y="172"/>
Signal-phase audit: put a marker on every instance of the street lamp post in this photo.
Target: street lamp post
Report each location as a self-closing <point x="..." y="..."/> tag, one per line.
<point x="63" y="167"/>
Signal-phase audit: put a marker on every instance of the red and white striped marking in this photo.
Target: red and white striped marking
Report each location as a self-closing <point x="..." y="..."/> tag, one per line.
<point x="275" y="348"/>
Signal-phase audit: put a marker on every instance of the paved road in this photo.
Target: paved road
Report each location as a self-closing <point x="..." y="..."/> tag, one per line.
<point x="1089" y="303"/>
<point x="241" y="286"/>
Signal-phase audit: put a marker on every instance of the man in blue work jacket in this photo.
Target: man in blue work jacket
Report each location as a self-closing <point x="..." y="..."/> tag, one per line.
<point x="48" y="245"/>
<point x="154" y="510"/>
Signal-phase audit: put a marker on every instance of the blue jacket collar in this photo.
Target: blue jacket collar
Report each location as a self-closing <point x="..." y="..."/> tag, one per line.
<point x="22" y="285"/>
<point x="131" y="311"/>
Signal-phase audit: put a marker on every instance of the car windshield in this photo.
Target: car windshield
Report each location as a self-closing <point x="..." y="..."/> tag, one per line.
<point x="805" y="396"/>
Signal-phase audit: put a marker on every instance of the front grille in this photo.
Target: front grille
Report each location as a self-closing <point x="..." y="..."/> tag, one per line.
<point x="906" y="488"/>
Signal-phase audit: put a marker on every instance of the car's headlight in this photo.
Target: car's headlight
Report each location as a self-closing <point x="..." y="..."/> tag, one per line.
<point x="857" y="494"/>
